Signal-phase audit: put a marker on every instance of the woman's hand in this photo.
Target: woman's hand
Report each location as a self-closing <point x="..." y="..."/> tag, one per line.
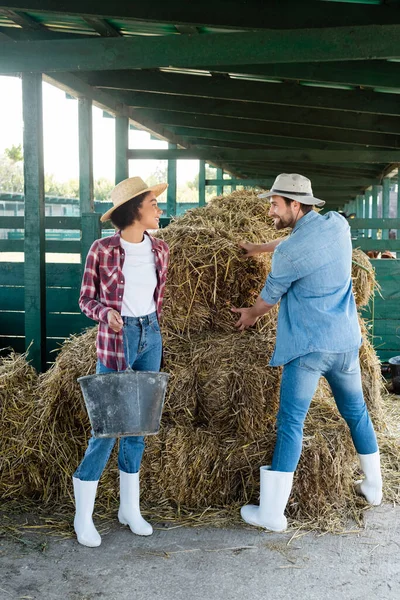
<point x="115" y="321"/>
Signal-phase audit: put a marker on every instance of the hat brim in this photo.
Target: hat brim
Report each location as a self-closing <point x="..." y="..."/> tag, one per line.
<point x="310" y="200"/>
<point x="157" y="189"/>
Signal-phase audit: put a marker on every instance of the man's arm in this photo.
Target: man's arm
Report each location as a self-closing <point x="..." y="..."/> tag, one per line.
<point x="249" y="316"/>
<point x="253" y="249"/>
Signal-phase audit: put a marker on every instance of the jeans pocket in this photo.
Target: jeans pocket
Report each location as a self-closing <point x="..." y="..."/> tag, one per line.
<point x="312" y="362"/>
<point x="351" y="363"/>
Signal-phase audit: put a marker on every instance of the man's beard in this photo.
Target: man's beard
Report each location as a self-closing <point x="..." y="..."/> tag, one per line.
<point x="280" y="224"/>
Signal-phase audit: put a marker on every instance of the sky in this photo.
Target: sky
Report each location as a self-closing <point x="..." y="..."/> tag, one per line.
<point x="60" y="136"/>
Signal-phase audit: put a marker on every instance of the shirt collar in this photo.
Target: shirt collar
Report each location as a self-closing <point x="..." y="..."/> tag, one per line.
<point x="310" y="216"/>
<point x="115" y="240"/>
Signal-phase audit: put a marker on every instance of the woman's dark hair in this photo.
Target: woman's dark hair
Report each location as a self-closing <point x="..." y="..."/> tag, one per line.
<point x="125" y="215"/>
<point x="305" y="208"/>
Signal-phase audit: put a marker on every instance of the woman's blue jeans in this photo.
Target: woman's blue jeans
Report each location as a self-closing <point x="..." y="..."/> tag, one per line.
<point x="299" y="382"/>
<point x="143" y="348"/>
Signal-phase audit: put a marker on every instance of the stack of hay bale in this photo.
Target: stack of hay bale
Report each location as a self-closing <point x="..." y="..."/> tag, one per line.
<point x="218" y="425"/>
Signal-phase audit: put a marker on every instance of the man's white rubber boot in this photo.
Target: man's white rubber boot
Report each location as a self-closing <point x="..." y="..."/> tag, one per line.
<point x="85" y="494"/>
<point x="275" y="488"/>
<point x="129" y="510"/>
<point x="371" y="486"/>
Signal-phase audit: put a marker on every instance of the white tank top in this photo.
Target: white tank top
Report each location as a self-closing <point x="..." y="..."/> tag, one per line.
<point x="140" y="279"/>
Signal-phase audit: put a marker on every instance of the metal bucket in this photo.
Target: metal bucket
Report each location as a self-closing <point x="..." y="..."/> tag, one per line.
<point x="394" y="363"/>
<point x="125" y="402"/>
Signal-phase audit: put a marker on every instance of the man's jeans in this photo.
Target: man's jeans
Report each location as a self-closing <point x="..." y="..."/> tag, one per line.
<point x="299" y="382"/>
<point x="143" y="349"/>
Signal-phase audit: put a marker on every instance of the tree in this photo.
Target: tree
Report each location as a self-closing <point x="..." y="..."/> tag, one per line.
<point x="14" y="153"/>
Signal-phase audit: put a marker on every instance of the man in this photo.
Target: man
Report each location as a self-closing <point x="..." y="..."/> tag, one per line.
<point x="318" y="335"/>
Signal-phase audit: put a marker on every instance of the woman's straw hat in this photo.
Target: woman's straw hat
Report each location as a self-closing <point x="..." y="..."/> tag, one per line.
<point x="128" y="189"/>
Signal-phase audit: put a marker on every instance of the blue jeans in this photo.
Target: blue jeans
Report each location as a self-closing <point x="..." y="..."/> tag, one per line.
<point x="299" y="382"/>
<point x="143" y="350"/>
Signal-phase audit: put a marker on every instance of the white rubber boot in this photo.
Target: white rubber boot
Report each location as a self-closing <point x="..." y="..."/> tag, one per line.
<point x="85" y="494"/>
<point x="129" y="510"/>
<point x="371" y="486"/>
<point x="275" y="488"/>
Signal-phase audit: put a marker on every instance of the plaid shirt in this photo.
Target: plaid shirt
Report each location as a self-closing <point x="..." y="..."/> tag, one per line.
<point x="103" y="289"/>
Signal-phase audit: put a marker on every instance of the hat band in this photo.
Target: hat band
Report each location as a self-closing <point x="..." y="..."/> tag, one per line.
<point x="290" y="192"/>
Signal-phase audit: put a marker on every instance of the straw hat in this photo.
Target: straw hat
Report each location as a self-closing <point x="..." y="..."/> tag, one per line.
<point x="295" y="187"/>
<point x="128" y="189"/>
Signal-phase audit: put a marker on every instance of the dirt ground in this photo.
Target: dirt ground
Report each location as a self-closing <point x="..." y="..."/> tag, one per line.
<point x="208" y="563"/>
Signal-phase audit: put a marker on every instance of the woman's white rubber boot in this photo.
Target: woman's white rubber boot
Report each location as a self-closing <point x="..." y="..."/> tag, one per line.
<point x="129" y="510"/>
<point x="371" y="486"/>
<point x="85" y="494"/>
<point x="275" y="488"/>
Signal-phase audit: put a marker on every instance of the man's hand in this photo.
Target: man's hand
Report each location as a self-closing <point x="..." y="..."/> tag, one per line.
<point x="247" y="318"/>
<point x="115" y="321"/>
<point x="250" y="249"/>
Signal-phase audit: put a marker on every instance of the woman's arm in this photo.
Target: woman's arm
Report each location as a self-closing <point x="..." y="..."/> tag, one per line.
<point x="88" y="299"/>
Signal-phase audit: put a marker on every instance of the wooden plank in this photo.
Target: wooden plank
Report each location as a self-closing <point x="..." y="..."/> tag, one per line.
<point x="385" y="204"/>
<point x="172" y="120"/>
<point x="121" y="147"/>
<point x="374" y="74"/>
<point x="91" y="231"/>
<point x="12" y="323"/>
<point x="386" y="267"/>
<point x="322" y="156"/>
<point x="12" y="298"/>
<point x="386" y="342"/>
<point x="34" y="242"/>
<point x="271" y="15"/>
<point x="271" y="112"/>
<point x="62" y="247"/>
<point x="365" y="244"/>
<point x="11" y="342"/>
<point x="387" y="327"/>
<point x="374" y="223"/>
<point x="285" y="94"/>
<point x="59" y="275"/>
<point x="384" y="355"/>
<point x="289" y="46"/>
<point x="62" y="325"/>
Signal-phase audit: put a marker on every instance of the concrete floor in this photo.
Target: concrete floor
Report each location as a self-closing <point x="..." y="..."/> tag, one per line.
<point x="206" y="563"/>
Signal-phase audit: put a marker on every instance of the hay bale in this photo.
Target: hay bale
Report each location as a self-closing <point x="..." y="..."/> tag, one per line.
<point x="363" y="276"/>
<point x="208" y="274"/>
<point x="18" y="381"/>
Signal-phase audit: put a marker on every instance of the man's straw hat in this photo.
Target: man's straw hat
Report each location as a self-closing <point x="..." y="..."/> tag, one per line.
<point x="128" y="189"/>
<point x="295" y="187"/>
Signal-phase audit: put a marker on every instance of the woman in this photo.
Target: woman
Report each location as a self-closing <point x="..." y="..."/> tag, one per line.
<point x="122" y="288"/>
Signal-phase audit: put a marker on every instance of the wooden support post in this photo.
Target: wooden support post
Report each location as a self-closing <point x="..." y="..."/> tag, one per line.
<point x="121" y="148"/>
<point x="202" y="183"/>
<point x="91" y="230"/>
<point x="172" y="187"/>
<point x="220" y="175"/>
<point x="34" y="245"/>
<point x="385" y="204"/>
<point x="368" y="210"/>
<point x="375" y="198"/>
<point x="86" y="178"/>
<point x="398" y="204"/>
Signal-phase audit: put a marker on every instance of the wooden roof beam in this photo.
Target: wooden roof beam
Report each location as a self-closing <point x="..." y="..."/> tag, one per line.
<point x="278" y="14"/>
<point x="221" y="49"/>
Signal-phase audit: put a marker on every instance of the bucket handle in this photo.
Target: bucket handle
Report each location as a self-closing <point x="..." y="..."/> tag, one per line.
<point x="124" y="342"/>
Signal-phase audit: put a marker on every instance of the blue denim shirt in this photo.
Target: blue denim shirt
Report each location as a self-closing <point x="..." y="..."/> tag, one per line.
<point x="311" y="276"/>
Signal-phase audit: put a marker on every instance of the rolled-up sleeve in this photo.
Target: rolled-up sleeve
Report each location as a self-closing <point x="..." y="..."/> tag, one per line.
<point x="283" y="273"/>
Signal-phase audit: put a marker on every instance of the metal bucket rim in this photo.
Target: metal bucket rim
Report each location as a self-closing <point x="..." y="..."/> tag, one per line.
<point x="395" y="360"/>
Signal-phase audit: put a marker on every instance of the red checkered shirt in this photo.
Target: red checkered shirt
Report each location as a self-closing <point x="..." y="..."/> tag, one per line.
<point x="103" y="289"/>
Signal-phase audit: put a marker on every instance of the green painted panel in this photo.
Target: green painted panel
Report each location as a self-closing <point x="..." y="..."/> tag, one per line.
<point x="63" y="275"/>
<point x="384" y="355"/>
<point x="367" y="244"/>
<point x="7" y="342"/>
<point x="12" y="298"/>
<point x="387" y="342"/>
<point x="12" y="323"/>
<point x="374" y="223"/>
<point x="387" y="327"/>
<point x="62" y="325"/>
